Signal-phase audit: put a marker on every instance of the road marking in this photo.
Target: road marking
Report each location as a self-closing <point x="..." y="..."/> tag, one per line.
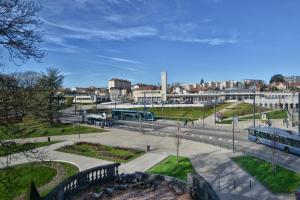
<point x="220" y="139"/>
<point x="193" y="135"/>
<point x="210" y="138"/>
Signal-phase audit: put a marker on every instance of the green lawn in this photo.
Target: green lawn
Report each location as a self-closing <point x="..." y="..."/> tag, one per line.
<point x="23" y="147"/>
<point x="184" y="113"/>
<point x="244" y="109"/>
<point x="283" y="181"/>
<point x="22" y="175"/>
<point x="32" y="127"/>
<point x="116" y="154"/>
<point x="277" y="114"/>
<point x="173" y="166"/>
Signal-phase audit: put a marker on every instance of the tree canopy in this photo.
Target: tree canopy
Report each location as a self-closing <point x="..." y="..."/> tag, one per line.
<point x="277" y="78"/>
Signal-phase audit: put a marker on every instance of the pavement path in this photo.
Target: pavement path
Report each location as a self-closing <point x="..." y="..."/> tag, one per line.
<point x="212" y="162"/>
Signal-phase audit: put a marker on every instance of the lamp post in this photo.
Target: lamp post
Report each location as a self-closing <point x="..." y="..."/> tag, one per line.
<point x="293" y="110"/>
<point x="203" y="115"/>
<point x="75" y="109"/>
<point x="115" y="98"/>
<point x="254" y="109"/>
<point x="162" y="106"/>
<point x="215" y="109"/>
<point x="233" y="145"/>
<point x="299" y="112"/>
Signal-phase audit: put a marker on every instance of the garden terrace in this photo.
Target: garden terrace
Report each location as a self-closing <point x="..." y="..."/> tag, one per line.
<point x="95" y="150"/>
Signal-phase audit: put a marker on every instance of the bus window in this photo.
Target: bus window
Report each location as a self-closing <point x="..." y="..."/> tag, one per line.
<point x="295" y="143"/>
<point x="259" y="134"/>
<point x="287" y="141"/>
<point x="256" y="133"/>
<point x="268" y="136"/>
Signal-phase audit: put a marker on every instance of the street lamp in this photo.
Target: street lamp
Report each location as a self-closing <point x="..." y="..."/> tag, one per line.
<point x="299" y="112"/>
<point x="215" y="109"/>
<point x="162" y="106"/>
<point x="233" y="145"/>
<point x="203" y="115"/>
<point x="293" y="110"/>
<point x="74" y="95"/>
<point x="254" y="109"/>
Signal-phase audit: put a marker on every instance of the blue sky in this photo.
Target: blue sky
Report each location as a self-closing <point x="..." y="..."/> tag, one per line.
<point x="91" y="41"/>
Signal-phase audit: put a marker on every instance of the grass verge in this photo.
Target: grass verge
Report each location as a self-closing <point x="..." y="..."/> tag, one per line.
<point x="32" y="127"/>
<point x="244" y="109"/>
<point x="184" y="113"/>
<point x="282" y="181"/>
<point x="277" y="114"/>
<point x="104" y="152"/>
<point x="173" y="166"/>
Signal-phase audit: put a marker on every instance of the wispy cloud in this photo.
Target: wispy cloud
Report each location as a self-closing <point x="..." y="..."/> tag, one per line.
<point x="119" y="59"/>
<point x="112" y="34"/>
<point x="210" y="41"/>
<point x="58" y="44"/>
<point x="70" y="73"/>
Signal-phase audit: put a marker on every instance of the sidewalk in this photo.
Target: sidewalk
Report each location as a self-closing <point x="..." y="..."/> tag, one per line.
<point x="212" y="162"/>
<point x="229" y="180"/>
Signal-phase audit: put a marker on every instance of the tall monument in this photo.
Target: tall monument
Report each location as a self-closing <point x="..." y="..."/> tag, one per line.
<point x="164" y="86"/>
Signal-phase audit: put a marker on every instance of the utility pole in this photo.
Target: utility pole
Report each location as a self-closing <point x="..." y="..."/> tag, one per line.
<point x="233" y="115"/>
<point x="144" y="101"/>
<point x="215" y="108"/>
<point x="254" y="110"/>
<point x="115" y="100"/>
<point x="203" y="115"/>
<point x="299" y="112"/>
<point x="75" y="103"/>
<point x="162" y="106"/>
<point x="293" y="110"/>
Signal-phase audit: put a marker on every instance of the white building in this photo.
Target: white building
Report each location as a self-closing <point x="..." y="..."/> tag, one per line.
<point x="147" y="96"/>
<point x="119" y="83"/>
<point x="89" y="99"/>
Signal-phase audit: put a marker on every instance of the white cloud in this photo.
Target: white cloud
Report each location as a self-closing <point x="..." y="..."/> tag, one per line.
<point x="210" y="41"/>
<point x="58" y="44"/>
<point x="113" y="34"/>
<point x="70" y="73"/>
<point x="119" y="59"/>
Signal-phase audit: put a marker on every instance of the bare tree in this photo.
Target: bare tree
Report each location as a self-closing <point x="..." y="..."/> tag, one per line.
<point x="19" y="29"/>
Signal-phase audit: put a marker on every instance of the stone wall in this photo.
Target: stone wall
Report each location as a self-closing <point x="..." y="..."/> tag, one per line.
<point x="200" y="188"/>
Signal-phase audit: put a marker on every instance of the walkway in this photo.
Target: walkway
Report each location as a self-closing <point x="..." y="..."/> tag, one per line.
<point x="212" y="162"/>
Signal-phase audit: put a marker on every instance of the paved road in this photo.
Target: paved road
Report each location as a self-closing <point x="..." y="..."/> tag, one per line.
<point x="219" y="138"/>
